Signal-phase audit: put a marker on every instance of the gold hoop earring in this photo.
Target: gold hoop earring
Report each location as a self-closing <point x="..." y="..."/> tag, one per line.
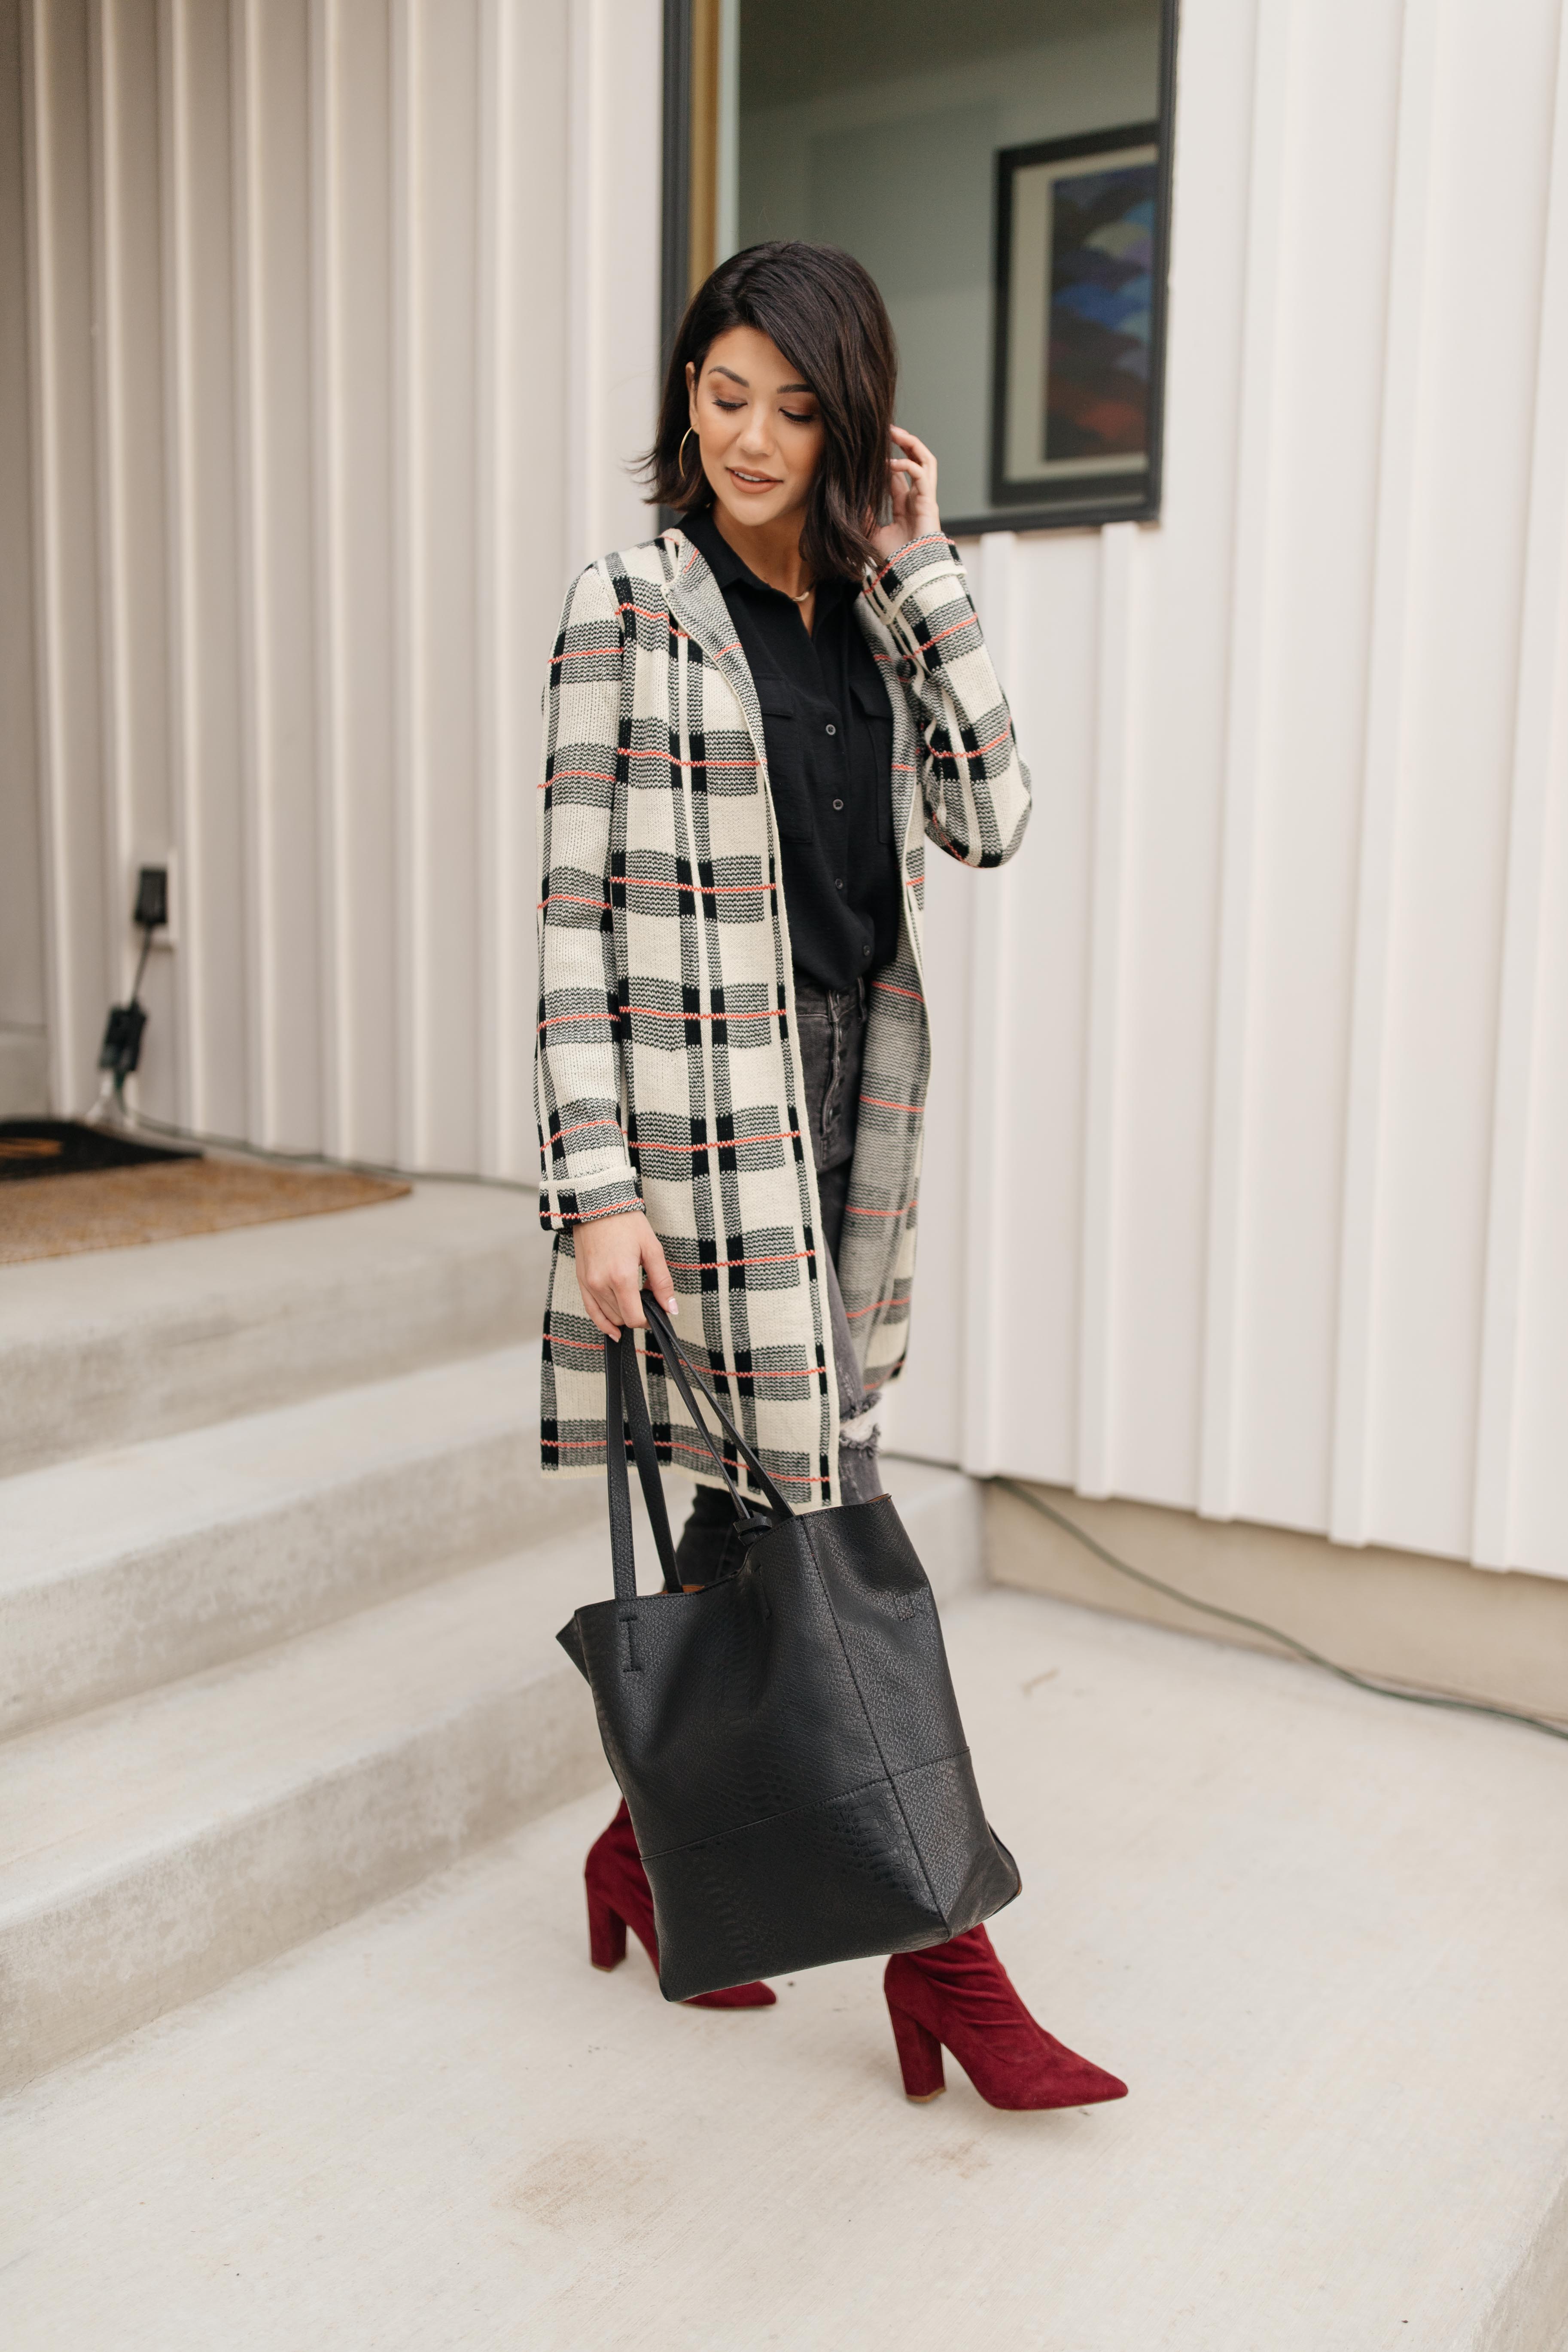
<point x="680" y="454"/>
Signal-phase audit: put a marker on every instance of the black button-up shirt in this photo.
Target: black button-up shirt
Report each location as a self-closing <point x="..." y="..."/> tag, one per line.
<point x="828" y="732"/>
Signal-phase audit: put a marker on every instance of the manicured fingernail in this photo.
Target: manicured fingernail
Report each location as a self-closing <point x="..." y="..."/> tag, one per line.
<point x="671" y="1307"/>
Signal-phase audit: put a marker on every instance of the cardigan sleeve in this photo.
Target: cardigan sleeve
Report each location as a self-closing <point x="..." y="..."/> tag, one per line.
<point x="974" y="787"/>
<point x="586" y="1171"/>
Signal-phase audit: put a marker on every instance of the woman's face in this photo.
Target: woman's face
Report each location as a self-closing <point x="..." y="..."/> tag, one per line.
<point x="758" y="426"/>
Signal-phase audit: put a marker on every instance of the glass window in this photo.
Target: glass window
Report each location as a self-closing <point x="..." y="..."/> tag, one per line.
<point x="1001" y="170"/>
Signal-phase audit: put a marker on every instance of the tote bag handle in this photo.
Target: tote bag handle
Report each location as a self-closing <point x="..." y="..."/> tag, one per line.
<point x="625" y="1406"/>
<point x="685" y="1374"/>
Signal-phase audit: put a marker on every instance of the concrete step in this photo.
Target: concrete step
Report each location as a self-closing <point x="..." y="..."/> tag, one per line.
<point x="160" y="1844"/>
<point x="139" y="1565"/>
<point x="123" y="1345"/>
<point x="153" y="1849"/>
<point x="1320" y="1934"/>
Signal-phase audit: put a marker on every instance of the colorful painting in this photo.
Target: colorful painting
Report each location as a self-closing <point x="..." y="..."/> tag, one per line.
<point x="1075" y="288"/>
<point x="1102" y="259"/>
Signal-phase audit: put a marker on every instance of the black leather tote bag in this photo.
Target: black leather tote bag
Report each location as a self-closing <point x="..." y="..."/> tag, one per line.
<point x="786" y="1739"/>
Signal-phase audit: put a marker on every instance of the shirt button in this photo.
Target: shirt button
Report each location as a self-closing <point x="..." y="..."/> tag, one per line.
<point x="838" y="882"/>
<point x="831" y="729"/>
<point x="837" y="805"/>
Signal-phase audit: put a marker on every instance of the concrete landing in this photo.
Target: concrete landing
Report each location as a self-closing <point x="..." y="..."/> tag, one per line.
<point x="1324" y="1936"/>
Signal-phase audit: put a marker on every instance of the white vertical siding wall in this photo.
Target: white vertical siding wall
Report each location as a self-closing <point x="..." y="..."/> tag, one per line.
<point x="1262" y="1049"/>
<point x="342" y="320"/>
<point x="1248" y="1151"/>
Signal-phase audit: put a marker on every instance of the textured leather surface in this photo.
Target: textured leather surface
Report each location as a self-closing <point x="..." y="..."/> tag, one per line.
<point x="790" y="1748"/>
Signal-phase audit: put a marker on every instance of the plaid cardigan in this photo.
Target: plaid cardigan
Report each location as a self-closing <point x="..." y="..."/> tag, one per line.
<point x="667" y="1071"/>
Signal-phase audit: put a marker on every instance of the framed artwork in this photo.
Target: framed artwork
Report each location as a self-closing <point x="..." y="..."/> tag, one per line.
<point x="1079" y="287"/>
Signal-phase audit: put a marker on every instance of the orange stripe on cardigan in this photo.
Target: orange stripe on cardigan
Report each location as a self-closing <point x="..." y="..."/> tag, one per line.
<point x="981" y="749"/>
<point x="721" y="1142"/>
<point x="972" y="623"/>
<point x="581" y="1127"/>
<point x="643" y="611"/>
<point x="638" y="882"/>
<point x="593" y="775"/>
<point x="586" y="1216"/>
<point x="652" y="1012"/>
<point x="706" y="889"/>
<point x="931" y="539"/>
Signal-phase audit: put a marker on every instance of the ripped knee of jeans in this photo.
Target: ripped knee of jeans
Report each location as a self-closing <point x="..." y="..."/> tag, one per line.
<point x="861" y="1435"/>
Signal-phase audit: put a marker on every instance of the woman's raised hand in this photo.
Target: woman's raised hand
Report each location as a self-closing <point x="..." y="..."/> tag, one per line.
<point x="613" y="1254"/>
<point x="912" y="491"/>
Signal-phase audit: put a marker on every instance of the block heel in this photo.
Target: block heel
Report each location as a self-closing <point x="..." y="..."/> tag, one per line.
<point x="607" y="1933"/>
<point x="920" y="2056"/>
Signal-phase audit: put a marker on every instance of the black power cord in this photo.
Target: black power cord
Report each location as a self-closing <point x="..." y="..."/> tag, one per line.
<point x="1272" y="1632"/>
<point x="121" y="1048"/>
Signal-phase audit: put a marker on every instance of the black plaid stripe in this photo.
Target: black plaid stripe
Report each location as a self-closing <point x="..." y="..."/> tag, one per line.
<point x="668" y="1070"/>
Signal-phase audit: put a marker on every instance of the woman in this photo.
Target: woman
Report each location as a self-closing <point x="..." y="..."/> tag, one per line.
<point x="752" y="724"/>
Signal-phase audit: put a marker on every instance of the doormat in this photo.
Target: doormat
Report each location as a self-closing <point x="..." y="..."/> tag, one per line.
<point x="30" y="1148"/>
<point x="119" y="1208"/>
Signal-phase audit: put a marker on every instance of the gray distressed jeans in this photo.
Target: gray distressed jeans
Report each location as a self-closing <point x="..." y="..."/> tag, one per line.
<point x="831" y="1028"/>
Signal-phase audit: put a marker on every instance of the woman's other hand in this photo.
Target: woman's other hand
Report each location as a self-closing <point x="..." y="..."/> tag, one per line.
<point x="613" y="1254"/>
<point x="911" y="491"/>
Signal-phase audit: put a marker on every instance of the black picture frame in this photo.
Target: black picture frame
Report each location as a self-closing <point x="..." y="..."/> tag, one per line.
<point x="1023" y="368"/>
<point x="1084" y="510"/>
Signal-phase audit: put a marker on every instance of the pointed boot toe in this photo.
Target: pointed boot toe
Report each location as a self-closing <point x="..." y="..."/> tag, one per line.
<point x="1047" y="2075"/>
<point x="1082" y="2083"/>
<point x="746" y="1996"/>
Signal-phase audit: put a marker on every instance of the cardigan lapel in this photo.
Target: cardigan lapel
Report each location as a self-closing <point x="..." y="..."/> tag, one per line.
<point x="697" y="604"/>
<point x="697" y="601"/>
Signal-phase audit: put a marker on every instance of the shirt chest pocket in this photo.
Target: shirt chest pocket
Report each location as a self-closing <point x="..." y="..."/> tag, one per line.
<point x="877" y="721"/>
<point x="784" y="740"/>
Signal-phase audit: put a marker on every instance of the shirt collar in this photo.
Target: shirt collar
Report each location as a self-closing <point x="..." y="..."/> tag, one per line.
<point x="729" y="569"/>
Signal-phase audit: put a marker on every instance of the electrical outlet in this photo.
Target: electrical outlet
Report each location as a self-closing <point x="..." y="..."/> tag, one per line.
<point x="151" y="912"/>
<point x="154" y="863"/>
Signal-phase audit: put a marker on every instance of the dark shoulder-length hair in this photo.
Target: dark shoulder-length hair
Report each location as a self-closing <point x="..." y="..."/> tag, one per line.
<point x="825" y="313"/>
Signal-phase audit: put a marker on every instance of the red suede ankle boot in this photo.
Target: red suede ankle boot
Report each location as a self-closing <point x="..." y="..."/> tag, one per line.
<point x="619" y="1897"/>
<point x="958" y="1993"/>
